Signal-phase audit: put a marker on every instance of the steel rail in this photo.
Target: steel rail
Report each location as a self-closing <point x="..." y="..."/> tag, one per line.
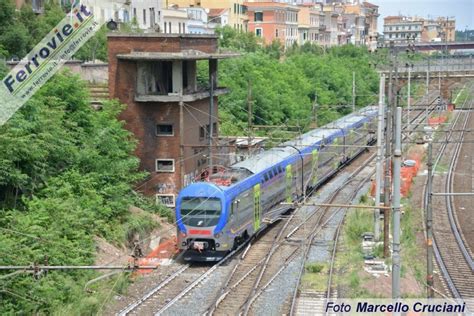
<point x="150" y="293"/>
<point x="422" y="115"/>
<point x="275" y="245"/>
<point x="436" y="250"/>
<point x="449" y="199"/>
<point x="200" y="279"/>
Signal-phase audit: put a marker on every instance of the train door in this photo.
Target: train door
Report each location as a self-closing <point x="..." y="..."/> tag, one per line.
<point x="366" y="131"/>
<point x="352" y="143"/>
<point x="334" y="150"/>
<point x="289" y="183"/>
<point x="257" y="208"/>
<point x="314" y="167"/>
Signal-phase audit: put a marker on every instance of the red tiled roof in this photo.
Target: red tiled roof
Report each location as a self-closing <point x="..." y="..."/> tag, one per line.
<point x="368" y="4"/>
<point x="216" y="12"/>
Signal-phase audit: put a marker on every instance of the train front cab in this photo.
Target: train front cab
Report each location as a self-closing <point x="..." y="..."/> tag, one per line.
<point x="200" y="215"/>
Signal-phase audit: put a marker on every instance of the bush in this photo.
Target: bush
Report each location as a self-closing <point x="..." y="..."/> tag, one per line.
<point x="314" y="267"/>
<point x="66" y="175"/>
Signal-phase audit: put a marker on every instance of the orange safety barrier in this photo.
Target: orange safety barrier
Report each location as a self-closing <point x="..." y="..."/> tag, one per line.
<point x="372" y="188"/>
<point x="406" y="176"/>
<point x="165" y="250"/>
<point x="408" y="173"/>
<point x="437" y="120"/>
<point x="372" y="185"/>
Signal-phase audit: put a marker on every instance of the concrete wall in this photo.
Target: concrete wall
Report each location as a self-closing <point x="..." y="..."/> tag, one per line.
<point x="93" y="73"/>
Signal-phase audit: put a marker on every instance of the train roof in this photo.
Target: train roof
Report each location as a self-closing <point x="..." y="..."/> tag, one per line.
<point x="267" y="158"/>
<point x="332" y="130"/>
<point x="309" y="140"/>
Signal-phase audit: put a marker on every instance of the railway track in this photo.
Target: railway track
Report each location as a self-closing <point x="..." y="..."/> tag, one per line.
<point x="174" y="287"/>
<point x="252" y="270"/>
<point x="311" y="301"/>
<point x="452" y="255"/>
<point x="248" y="281"/>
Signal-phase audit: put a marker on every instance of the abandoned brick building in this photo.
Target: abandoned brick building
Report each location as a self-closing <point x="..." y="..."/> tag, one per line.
<point x="167" y="110"/>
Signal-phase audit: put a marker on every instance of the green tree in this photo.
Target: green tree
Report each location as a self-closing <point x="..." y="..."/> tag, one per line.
<point x="16" y="39"/>
<point x="275" y="49"/>
<point x="7" y="14"/>
<point x="243" y="41"/>
<point x="66" y="175"/>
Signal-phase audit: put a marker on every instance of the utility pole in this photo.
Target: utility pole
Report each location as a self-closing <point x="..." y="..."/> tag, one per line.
<point x="314" y="112"/>
<point x="387" y="180"/>
<point x="427" y="79"/>
<point x="429" y="224"/>
<point x="409" y="98"/>
<point x="212" y="78"/>
<point x="249" y="103"/>
<point x="439" y="82"/>
<point x="379" y="164"/>
<point x="353" y="91"/>
<point x="397" y="162"/>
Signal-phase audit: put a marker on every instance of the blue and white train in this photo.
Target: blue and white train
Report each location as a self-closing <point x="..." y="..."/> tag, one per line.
<point x="215" y="217"/>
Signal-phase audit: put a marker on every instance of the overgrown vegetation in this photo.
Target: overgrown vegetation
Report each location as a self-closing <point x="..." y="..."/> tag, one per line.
<point x="66" y="175"/>
<point x="412" y="224"/>
<point x="461" y="97"/>
<point x="351" y="261"/>
<point x="315" y="276"/>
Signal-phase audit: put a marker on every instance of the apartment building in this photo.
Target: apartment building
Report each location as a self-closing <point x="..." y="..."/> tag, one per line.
<point x="146" y="13"/>
<point x="310" y="18"/>
<point x="331" y="21"/>
<point x="219" y="16"/>
<point x="401" y="28"/>
<point x="448" y="28"/>
<point x="199" y="21"/>
<point x="273" y="20"/>
<point x="237" y="12"/>
<point x="371" y="12"/>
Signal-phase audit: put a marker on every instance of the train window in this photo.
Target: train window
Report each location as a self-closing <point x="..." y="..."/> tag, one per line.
<point x="275" y="171"/>
<point x="200" y="211"/>
<point x="265" y="176"/>
<point x="233" y="207"/>
<point x="281" y="168"/>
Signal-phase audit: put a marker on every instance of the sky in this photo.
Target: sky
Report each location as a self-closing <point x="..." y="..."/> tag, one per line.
<point x="462" y="10"/>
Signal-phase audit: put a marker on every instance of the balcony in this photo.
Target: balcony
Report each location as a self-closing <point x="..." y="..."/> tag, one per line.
<point x="172" y="77"/>
<point x="176" y="97"/>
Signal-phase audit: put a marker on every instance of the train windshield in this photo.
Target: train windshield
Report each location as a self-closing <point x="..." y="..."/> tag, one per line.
<point x="200" y="212"/>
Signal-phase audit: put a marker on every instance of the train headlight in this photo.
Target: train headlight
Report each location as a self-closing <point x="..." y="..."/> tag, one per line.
<point x="218" y="235"/>
<point x="183" y="244"/>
